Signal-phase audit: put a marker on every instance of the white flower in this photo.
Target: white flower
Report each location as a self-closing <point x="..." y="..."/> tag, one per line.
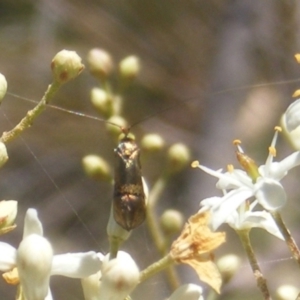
<point x="242" y="217"/>
<point x="237" y="187"/>
<point x="188" y="292"/>
<point x="34" y="273"/>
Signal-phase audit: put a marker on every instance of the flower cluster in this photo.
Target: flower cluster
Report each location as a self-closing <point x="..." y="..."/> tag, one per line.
<point x="253" y="195"/>
<point x="30" y="265"/>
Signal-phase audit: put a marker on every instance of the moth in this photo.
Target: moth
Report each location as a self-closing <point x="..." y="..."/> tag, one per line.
<point x="129" y="205"/>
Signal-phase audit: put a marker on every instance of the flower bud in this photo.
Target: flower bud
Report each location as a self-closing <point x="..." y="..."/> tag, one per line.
<point x="8" y="257"/>
<point x="290" y="122"/>
<point x="292" y="116"/>
<point x="188" y="292"/>
<point x="178" y="157"/>
<point x="129" y="67"/>
<point x="100" y="63"/>
<point x="34" y="261"/>
<point x="171" y="221"/>
<point x="114" y="125"/>
<point x="102" y="102"/>
<point x="287" y="292"/>
<point x="96" y="167"/>
<point x="3" y="86"/>
<point x="8" y="213"/>
<point x="119" y="277"/>
<point x="152" y="142"/>
<point x="3" y="154"/>
<point x="66" y="65"/>
<point x="116" y="233"/>
<point x="228" y="265"/>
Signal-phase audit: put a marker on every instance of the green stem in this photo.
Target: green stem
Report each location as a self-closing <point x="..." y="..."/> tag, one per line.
<point x="155" y="230"/>
<point x="152" y="222"/>
<point x="114" y="246"/>
<point x="260" y="280"/>
<point x="158" y="266"/>
<point x="27" y="121"/>
<point x="287" y="235"/>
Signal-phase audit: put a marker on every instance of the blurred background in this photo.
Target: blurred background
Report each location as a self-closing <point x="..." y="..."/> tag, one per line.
<point x="212" y="71"/>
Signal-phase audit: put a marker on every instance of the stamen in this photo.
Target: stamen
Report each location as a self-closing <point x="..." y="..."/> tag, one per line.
<point x="278" y="128"/>
<point x="272" y="149"/>
<point x="237" y="143"/>
<point x="230" y="168"/>
<point x="195" y="164"/>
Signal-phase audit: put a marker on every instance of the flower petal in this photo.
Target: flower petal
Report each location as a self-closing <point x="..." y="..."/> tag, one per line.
<point x="280" y="170"/>
<point x="270" y="194"/>
<point x="76" y="265"/>
<point x="262" y="219"/>
<point x="257" y="219"/>
<point x="234" y="180"/>
<point x="32" y="224"/>
<point x="230" y="203"/>
<point x="7" y="257"/>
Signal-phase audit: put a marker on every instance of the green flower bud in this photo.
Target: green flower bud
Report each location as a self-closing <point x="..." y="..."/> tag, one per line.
<point x="152" y="142"/>
<point x="228" y="265"/>
<point x="178" y="157"/>
<point x="102" y="102"/>
<point x="129" y="67"/>
<point x="66" y="65"/>
<point x="3" y="86"/>
<point x="287" y="292"/>
<point x="171" y="221"/>
<point x="100" y="63"/>
<point x="115" y="124"/>
<point x="3" y="154"/>
<point x="96" y="167"/>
